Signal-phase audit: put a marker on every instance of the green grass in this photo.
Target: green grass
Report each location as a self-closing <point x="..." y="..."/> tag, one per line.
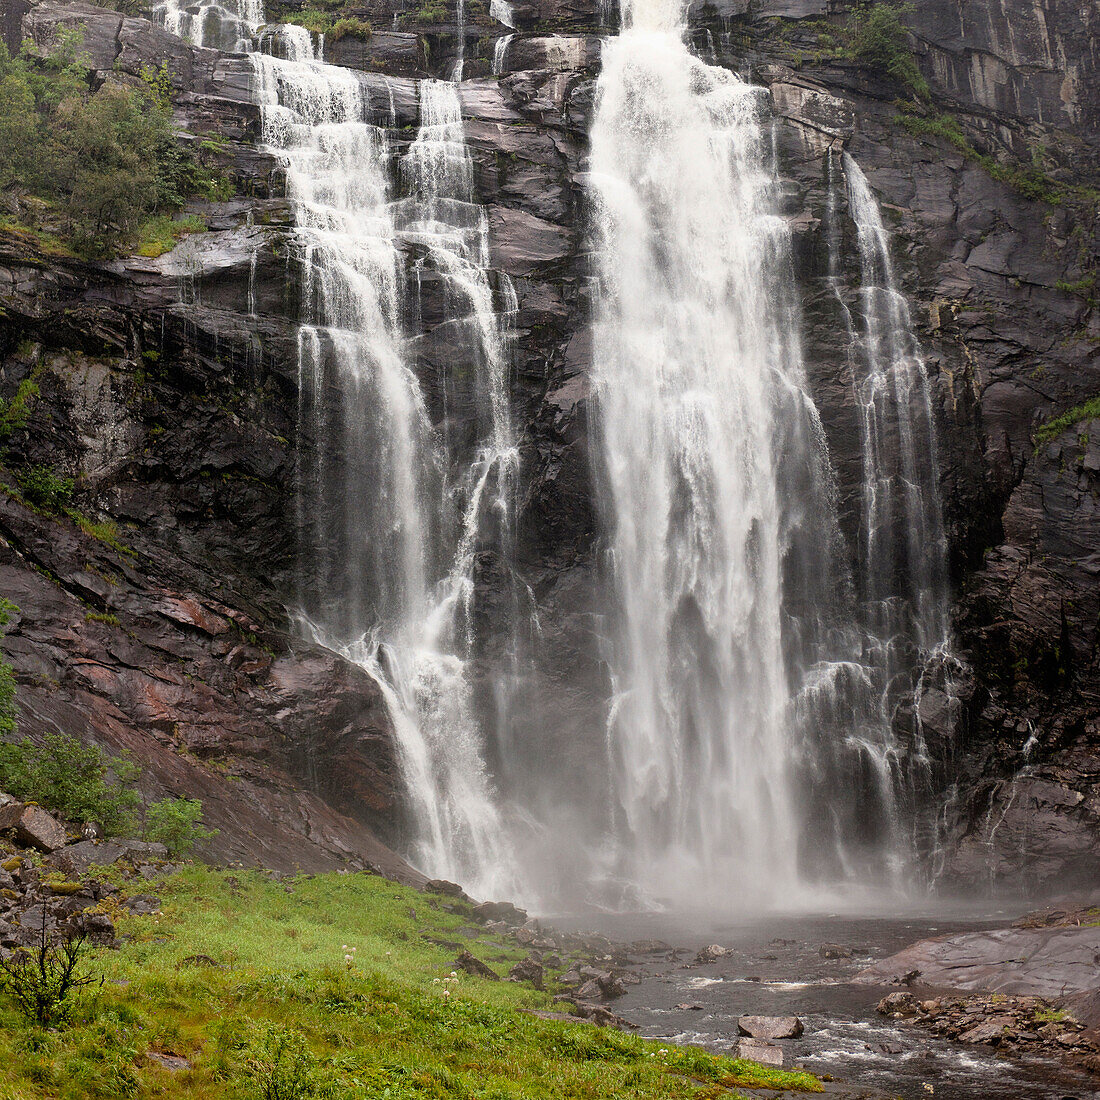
<point x="379" y="1026"/>
<point x="162" y="234"/>
<point x="1090" y="410"/>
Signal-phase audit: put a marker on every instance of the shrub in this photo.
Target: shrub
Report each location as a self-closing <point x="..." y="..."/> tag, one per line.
<point x="174" y="822"/>
<point x="878" y="38"/>
<point x="281" y="1066"/>
<point x="349" y="28"/>
<point x="73" y="780"/>
<point x="44" y="489"/>
<point x="1090" y="410"/>
<point x="105" y="160"/>
<point x="14" y="411"/>
<point x="42" y="979"/>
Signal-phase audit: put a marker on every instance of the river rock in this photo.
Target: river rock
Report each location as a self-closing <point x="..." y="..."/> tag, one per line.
<point x="757" y="1050"/>
<point x="991" y="1030"/>
<point x="712" y="953"/>
<point x="499" y="911"/>
<point x="897" y="1004"/>
<point x="770" y="1027"/>
<point x="834" y="951"/>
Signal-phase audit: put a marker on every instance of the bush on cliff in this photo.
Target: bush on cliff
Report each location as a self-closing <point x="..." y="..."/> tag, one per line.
<point x="878" y="38"/>
<point x="101" y="161"/>
<point x="82" y="783"/>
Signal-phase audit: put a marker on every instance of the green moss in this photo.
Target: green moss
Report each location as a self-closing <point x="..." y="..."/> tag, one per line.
<point x="14" y="412"/>
<point x="1089" y="410"/>
<point x="249" y="979"/>
<point x="349" y="28"/>
<point x="162" y="234"/>
<point x="105" y="617"/>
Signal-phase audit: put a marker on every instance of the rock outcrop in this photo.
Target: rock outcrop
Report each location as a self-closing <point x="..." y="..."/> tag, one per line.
<point x="156" y="622"/>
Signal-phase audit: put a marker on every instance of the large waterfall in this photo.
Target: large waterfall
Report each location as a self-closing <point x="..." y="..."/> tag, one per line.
<point x="392" y="517"/>
<point x="758" y="665"/>
<point x="750" y="731"/>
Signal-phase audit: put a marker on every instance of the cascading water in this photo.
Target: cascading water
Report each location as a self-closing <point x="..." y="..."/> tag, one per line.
<point x="751" y="733"/>
<point x="205" y="23"/>
<point x="390" y="521"/>
<point x="700" y="399"/>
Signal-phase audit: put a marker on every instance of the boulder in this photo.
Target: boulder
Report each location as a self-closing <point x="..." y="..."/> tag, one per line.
<point x="770" y="1027"/>
<point x="834" y="951"/>
<point x="989" y="1031"/>
<point x="142" y="904"/>
<point x="447" y="889"/>
<point x="897" y="1004"/>
<point x="527" y="970"/>
<point x="757" y="1050"/>
<point x="475" y="966"/>
<point x="712" y="953"/>
<point x="33" y="826"/>
<point x="500" y="910"/>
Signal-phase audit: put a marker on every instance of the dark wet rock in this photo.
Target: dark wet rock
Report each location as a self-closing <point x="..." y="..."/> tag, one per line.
<point x="834" y="951"/>
<point x="897" y="1004"/>
<point x="1044" y="962"/>
<point x="770" y="1027"/>
<point x="174" y="1063"/>
<point x="447" y="889"/>
<point x="98" y="927"/>
<point x="649" y="947"/>
<point x="687" y="1007"/>
<point x="476" y="967"/>
<point x="503" y="911"/>
<point x="527" y="970"/>
<point x="712" y="953"/>
<point x="142" y="904"/>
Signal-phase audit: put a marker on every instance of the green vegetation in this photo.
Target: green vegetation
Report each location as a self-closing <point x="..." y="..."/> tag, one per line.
<point x="174" y="822"/>
<point x="876" y="36"/>
<point x="75" y="780"/>
<point x="1028" y="180"/>
<point x="335" y="986"/>
<point x="105" y="617"/>
<point x="328" y="20"/>
<point x="1051" y="1016"/>
<point x="14" y="412"/>
<point x="162" y="233"/>
<point x="82" y="783"/>
<point x="42" y="488"/>
<point x="95" y="166"/>
<point x="430" y="11"/>
<point x="1090" y="410"/>
<point x="42" y="980"/>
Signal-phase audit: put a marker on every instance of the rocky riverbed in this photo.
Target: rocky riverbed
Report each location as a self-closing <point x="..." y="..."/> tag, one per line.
<point x="820" y="971"/>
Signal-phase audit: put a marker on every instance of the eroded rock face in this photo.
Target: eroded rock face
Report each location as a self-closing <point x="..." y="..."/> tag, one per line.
<point x="169" y="389"/>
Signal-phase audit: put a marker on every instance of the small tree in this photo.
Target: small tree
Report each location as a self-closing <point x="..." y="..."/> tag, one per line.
<point x="73" y="780"/>
<point x="41" y="979"/>
<point x="174" y="822"/>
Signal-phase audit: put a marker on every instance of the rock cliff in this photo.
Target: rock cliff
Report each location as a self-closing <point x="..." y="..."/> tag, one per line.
<point x="168" y="390"/>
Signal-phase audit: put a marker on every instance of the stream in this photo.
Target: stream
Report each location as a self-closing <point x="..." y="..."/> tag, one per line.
<point x="776" y="968"/>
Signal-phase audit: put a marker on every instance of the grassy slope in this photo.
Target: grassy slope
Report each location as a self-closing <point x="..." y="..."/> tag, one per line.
<point x="379" y="1028"/>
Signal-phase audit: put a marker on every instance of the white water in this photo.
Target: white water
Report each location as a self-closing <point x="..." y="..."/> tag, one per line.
<point x="205" y="23"/>
<point x="701" y="399"/>
<point x="500" y="52"/>
<point x="902" y="521"/>
<point x="391" y="520"/>
<point x="751" y="729"/>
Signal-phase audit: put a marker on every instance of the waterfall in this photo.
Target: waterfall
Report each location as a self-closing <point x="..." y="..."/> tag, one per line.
<point x="206" y="23"/>
<point x="751" y="733"/>
<point x="392" y="518"/>
<point x="500" y="52"/>
<point x="903" y="531"/>
<point x="712" y="463"/>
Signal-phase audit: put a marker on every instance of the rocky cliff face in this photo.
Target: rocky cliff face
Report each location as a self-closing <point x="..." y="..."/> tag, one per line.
<point x="168" y="388"/>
